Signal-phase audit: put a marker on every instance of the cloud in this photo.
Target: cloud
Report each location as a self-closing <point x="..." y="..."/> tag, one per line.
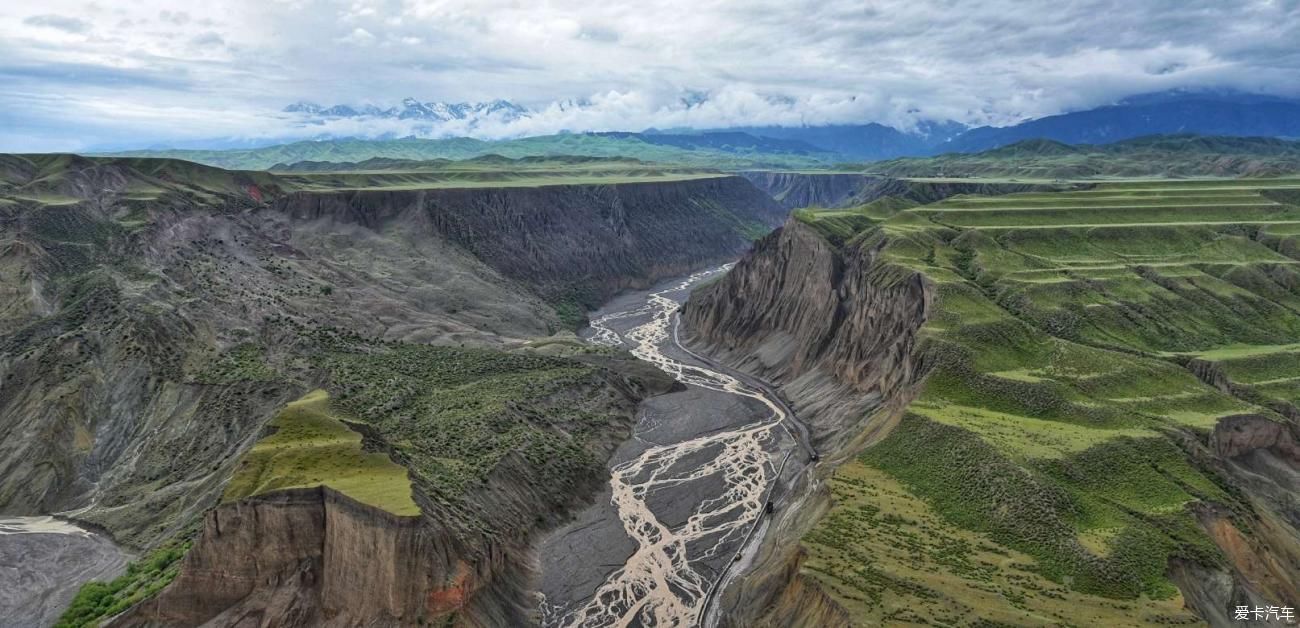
<point x="621" y="64"/>
<point x="58" y="22"/>
<point x="208" y="39"/>
<point x="357" y="36"/>
<point x="175" y="18"/>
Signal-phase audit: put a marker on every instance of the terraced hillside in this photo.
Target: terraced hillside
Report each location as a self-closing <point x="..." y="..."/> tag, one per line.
<point x="1099" y="426"/>
<point x="1151" y="156"/>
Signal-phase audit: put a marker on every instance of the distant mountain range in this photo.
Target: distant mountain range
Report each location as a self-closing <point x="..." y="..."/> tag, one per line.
<point x="866" y="142"/>
<point x="1243" y="115"/>
<point x="713" y="150"/>
<point x="1201" y="113"/>
<point x="412" y="109"/>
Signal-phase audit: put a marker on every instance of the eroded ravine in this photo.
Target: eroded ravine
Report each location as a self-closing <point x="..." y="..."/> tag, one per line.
<point x="720" y="478"/>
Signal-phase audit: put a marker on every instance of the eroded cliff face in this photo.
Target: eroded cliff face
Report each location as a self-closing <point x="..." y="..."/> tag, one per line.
<point x="794" y="190"/>
<point x="580" y="242"/>
<point x="306" y="557"/>
<point x="313" y="557"/>
<point x="799" y="189"/>
<point x="1261" y="458"/>
<point x="836" y="330"/>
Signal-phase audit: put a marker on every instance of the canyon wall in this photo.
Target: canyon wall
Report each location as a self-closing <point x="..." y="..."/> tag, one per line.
<point x="583" y="242"/>
<point x="835" y="330"/>
<point x="314" y="557"/>
<point x="795" y="190"/>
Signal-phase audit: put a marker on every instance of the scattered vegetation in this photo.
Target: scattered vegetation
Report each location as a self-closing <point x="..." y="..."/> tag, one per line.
<point x="245" y="362"/>
<point x="458" y="415"/>
<point x="1049" y="426"/>
<point x="98" y="601"/>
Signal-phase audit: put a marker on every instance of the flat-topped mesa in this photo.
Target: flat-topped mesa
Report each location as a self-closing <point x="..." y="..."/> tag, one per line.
<point x="312" y="557"/>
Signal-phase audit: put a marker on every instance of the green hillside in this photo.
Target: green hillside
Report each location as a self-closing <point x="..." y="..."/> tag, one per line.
<point x="54" y="179"/>
<point x="1045" y="472"/>
<point x="1155" y="156"/>
<point x="460" y="148"/>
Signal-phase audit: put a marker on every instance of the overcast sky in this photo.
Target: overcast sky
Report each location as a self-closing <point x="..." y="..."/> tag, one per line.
<point x="81" y="74"/>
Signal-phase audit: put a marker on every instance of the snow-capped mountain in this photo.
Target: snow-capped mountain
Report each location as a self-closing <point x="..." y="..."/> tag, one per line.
<point x="412" y="109"/>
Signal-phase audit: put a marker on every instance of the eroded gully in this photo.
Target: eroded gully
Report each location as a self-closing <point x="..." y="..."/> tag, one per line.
<point x="687" y="495"/>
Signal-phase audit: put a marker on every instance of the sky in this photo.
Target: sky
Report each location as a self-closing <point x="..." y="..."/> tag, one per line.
<point x="79" y="75"/>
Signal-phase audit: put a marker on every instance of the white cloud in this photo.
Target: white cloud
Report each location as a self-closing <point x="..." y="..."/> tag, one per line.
<point x="357" y="36"/>
<point x="632" y="64"/>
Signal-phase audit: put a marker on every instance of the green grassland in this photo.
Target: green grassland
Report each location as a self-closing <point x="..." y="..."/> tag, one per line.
<point x="310" y="446"/>
<point x="1154" y="156"/>
<point x="620" y="146"/>
<point x="1048" y="429"/>
<point x="481" y="178"/>
<point x="60" y="180"/>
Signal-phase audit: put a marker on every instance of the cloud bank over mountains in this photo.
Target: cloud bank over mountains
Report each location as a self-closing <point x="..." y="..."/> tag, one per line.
<point x="81" y="74"/>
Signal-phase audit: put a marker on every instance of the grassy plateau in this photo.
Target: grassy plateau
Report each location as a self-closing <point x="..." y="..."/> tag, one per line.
<point x="1041" y="476"/>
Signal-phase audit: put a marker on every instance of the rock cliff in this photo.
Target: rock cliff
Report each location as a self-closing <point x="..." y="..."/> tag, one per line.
<point x="313" y="557"/>
<point x="801" y="189"/>
<point x="569" y="241"/>
<point x="836" y="329"/>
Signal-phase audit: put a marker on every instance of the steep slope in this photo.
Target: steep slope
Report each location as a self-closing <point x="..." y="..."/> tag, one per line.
<point x="161" y="313"/>
<point x="1044" y="386"/>
<point x="794" y="190"/>
<point x="579" y="243"/>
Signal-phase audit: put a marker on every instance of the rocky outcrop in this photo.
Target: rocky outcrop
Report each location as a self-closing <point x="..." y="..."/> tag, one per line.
<point x="1243" y="434"/>
<point x="797" y="189"/>
<point x="580" y="242"/>
<point x="313" y="557"/>
<point x="836" y="330"/>
<point x="1259" y="457"/>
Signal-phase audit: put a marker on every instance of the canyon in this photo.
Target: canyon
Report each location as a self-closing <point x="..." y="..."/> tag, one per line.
<point x="774" y="442"/>
<point x="161" y="313"/>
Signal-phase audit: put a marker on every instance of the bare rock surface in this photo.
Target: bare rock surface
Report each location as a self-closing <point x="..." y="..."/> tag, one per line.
<point x="43" y="562"/>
